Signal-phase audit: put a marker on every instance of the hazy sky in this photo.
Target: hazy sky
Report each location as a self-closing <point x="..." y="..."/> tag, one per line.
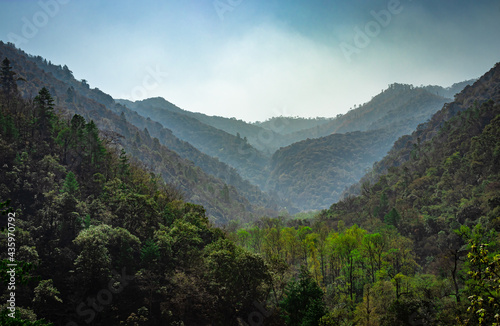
<point x="253" y="59"/>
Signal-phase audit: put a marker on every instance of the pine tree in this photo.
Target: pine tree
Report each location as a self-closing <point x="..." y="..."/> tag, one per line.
<point x="7" y="81"/>
<point x="303" y="304"/>
<point x="71" y="185"/>
<point x="44" y="113"/>
<point x="392" y="217"/>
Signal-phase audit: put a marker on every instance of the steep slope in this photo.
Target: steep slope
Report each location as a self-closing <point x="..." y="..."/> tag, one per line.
<point x="399" y="106"/>
<point x="314" y="172"/>
<point x="207" y="163"/>
<point x="223" y="202"/>
<point x="443" y="176"/>
<point x="95" y="235"/>
<point x="233" y="150"/>
<point x="484" y="89"/>
<point x="258" y="137"/>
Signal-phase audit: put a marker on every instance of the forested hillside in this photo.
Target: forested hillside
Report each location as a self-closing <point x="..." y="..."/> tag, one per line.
<point x="313" y="173"/>
<point x="419" y="246"/>
<point x="234" y="150"/>
<point x="263" y="139"/>
<point x="103" y="232"/>
<point x="98" y="238"/>
<point x="231" y="199"/>
<point x="399" y="106"/>
<point x="484" y="89"/>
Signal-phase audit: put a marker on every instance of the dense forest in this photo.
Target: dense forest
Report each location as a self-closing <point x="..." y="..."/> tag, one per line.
<point x="418" y="246"/>
<point x="337" y="152"/>
<point x="202" y="179"/>
<point x="103" y="238"/>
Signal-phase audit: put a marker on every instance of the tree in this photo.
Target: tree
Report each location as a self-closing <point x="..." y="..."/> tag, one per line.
<point x="46" y="297"/>
<point x="347" y="246"/>
<point x="95" y="151"/>
<point x="70" y="186"/>
<point x="392" y="218"/>
<point x="373" y="247"/>
<point x="303" y="302"/>
<point x="484" y="271"/>
<point x="124" y="166"/>
<point x="292" y="244"/>
<point x="7" y="81"/>
<point x="45" y="116"/>
<point x="235" y="277"/>
<point x="150" y="253"/>
<point x="401" y="258"/>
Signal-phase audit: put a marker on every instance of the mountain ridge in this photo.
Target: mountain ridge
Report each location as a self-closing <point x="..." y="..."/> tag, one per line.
<point x="91" y="104"/>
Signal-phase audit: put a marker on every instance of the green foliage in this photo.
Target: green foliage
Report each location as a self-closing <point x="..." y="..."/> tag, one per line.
<point x="7" y="81"/>
<point x="392" y="218"/>
<point x="150" y="252"/>
<point x="6" y="320"/>
<point x="70" y="186"/>
<point x="303" y="303"/>
<point x="24" y="271"/>
<point x="483" y="261"/>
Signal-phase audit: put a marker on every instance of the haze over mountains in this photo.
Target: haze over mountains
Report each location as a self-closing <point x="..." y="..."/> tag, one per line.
<point x="289" y="157"/>
<point x="92" y="200"/>
<point x="293" y="163"/>
<point x="232" y="162"/>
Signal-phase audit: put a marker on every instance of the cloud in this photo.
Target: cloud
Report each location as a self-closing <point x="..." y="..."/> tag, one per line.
<point x="265" y="58"/>
<point x="269" y="71"/>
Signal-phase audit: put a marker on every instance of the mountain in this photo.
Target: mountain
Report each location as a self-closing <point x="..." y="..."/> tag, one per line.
<point x="442" y="177"/>
<point x="292" y="174"/>
<point x="235" y="151"/>
<point x="310" y="171"/>
<point x="288" y="125"/>
<point x="223" y="201"/>
<point x="93" y="234"/>
<point x="313" y="173"/>
<point x="400" y="105"/>
<point x="420" y="244"/>
<point x="480" y="91"/>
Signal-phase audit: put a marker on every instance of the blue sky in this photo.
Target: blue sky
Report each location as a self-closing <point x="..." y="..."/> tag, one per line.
<point x="253" y="59"/>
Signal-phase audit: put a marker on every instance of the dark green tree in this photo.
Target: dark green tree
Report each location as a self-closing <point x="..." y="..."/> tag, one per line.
<point x="7" y="80"/>
<point x="45" y="116"/>
<point x="71" y="185"/>
<point x="150" y="252"/>
<point x="392" y="218"/>
<point x="303" y="303"/>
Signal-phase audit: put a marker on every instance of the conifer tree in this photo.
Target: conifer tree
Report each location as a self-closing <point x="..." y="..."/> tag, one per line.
<point x="44" y="113"/>
<point x="7" y="81"/>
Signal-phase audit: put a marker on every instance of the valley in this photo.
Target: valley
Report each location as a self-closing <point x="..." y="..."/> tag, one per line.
<point x="382" y="215"/>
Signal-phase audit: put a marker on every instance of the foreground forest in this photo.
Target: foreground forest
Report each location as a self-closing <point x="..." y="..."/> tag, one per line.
<point x="100" y="239"/>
